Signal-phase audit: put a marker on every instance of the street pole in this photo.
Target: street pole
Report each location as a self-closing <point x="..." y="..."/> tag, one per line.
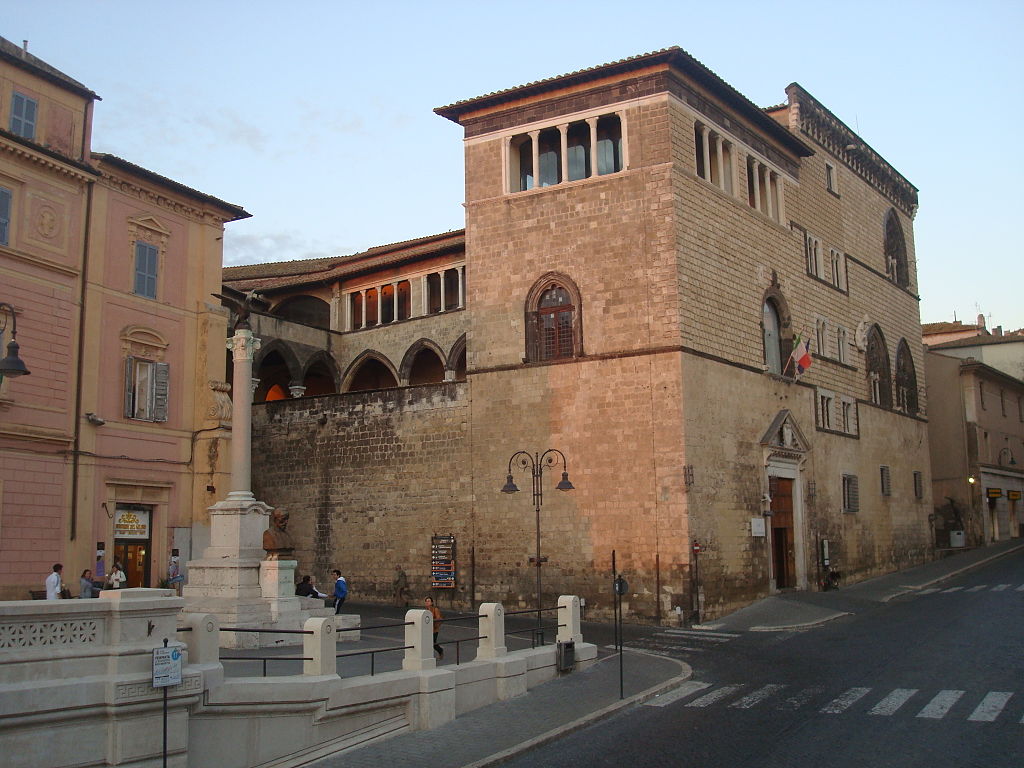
<point x="536" y="463"/>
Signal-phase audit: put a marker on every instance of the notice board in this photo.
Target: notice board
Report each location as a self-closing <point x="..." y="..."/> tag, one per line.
<point x="442" y="562"/>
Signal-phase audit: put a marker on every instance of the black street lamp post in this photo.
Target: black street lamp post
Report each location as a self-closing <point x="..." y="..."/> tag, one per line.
<point x="537" y="463"/>
<point x="11" y="365"/>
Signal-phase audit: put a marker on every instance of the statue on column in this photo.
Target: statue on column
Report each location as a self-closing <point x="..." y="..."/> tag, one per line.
<point x="241" y="308"/>
<point x="276" y="540"/>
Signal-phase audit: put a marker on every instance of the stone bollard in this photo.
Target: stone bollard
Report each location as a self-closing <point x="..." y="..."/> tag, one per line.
<point x="419" y="636"/>
<point x="492" y="630"/>
<point x="203" y="642"/>
<point x="319" y="647"/>
<point x="569" y="628"/>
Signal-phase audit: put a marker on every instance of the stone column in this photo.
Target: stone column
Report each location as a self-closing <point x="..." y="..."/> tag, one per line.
<point x="592" y="122"/>
<point x="563" y="140"/>
<point x="535" y="147"/>
<point x="242" y="346"/>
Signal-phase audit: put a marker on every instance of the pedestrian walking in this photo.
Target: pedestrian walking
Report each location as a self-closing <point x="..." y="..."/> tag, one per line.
<point x="53" y="582"/>
<point x="340" y="591"/>
<point x="438" y="618"/>
<point x="401" y="586"/>
<point x="85" y="585"/>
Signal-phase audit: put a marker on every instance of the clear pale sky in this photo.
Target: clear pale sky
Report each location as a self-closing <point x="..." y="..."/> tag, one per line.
<point x="317" y="116"/>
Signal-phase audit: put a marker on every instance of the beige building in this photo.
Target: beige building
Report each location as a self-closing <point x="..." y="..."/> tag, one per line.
<point x="112" y="440"/>
<point x="977" y="449"/>
<point x="644" y="251"/>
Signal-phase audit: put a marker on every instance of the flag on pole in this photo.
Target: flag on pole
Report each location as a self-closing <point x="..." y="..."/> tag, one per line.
<point x="801" y="355"/>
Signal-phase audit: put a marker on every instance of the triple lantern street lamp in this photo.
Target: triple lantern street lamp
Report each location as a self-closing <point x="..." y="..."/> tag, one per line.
<point x="536" y="464"/>
<point x="12" y="365"/>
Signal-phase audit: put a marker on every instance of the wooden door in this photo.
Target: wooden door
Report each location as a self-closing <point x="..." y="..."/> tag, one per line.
<point x="783" y="559"/>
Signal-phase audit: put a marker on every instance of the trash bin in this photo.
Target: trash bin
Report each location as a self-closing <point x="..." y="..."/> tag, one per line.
<point x="956" y="538"/>
<point x="565" y="655"/>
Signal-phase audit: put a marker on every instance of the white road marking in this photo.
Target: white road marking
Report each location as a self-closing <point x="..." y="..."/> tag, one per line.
<point x="684" y="690"/>
<point x="937" y="708"/>
<point x="841" y="703"/>
<point x="801" y="698"/>
<point x="951" y="589"/>
<point x="1020" y="588"/>
<point x="928" y="591"/>
<point x="757" y="696"/>
<point x="711" y="637"/>
<point x="893" y="701"/>
<point x="990" y="707"/>
<point x="714" y="696"/>
<point x="977" y="588"/>
<point x="1001" y="587"/>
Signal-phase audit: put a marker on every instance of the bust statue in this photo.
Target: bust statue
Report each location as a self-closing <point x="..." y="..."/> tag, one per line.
<point x="276" y="539"/>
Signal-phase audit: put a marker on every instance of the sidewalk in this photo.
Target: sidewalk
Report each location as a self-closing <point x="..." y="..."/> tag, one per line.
<point x="798" y="610"/>
<point x="488" y="735"/>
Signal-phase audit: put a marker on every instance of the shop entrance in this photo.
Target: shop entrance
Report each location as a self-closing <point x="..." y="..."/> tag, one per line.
<point x="132" y="542"/>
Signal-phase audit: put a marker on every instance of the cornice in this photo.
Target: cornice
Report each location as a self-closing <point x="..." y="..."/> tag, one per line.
<point x="27" y="258"/>
<point x="129" y="187"/>
<point x="827" y="130"/>
<point x="44" y="159"/>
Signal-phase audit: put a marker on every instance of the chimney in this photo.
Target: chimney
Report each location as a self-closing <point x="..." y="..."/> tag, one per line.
<point x="981" y="322"/>
<point x="997" y="331"/>
<point x="24" y="46"/>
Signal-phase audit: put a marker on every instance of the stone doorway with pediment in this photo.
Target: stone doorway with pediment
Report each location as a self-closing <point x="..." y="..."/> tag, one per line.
<point x="785" y="452"/>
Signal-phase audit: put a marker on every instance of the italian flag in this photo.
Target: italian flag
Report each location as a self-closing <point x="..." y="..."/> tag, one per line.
<point x="801" y="355"/>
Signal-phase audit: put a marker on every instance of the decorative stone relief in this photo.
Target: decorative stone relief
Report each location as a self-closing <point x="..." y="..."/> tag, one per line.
<point x="220" y="408"/>
<point x="49" y="633"/>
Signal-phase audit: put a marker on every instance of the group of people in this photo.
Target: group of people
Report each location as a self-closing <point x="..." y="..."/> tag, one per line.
<point x="306" y="588"/>
<point x="56" y="589"/>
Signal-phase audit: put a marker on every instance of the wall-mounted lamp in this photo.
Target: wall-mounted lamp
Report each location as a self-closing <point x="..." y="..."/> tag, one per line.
<point x="1012" y="462"/>
<point x="688" y="475"/>
<point x="972" y="480"/>
<point x="96" y="421"/>
<point x="11" y="366"/>
<point x="766" y="505"/>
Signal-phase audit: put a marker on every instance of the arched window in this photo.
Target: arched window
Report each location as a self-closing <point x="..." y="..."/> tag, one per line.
<point x="370" y="373"/>
<point x="906" y="380"/>
<point x="426" y="368"/>
<point x="878" y="371"/>
<point x="772" y="332"/>
<point x="553" y="319"/>
<point x="578" y="145"/>
<point x="895" y="251"/>
<point x="550" y="157"/>
<point x="609" y="144"/>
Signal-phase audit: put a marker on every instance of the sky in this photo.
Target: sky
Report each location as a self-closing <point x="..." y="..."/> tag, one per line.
<point x="317" y="117"/>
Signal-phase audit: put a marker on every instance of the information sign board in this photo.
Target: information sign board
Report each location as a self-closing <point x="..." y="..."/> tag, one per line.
<point x="442" y="562"/>
<point x="166" y="667"/>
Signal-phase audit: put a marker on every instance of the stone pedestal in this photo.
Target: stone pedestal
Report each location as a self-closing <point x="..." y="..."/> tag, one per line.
<point x="233" y="582"/>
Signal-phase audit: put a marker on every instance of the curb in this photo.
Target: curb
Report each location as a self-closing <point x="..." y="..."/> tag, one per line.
<point x="582" y="722"/>
<point x="802" y="625"/>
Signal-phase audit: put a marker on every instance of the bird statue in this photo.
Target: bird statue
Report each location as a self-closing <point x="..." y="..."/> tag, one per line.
<point x="241" y="308"/>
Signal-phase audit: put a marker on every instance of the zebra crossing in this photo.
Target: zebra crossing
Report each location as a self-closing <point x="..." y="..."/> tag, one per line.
<point x="673" y="641"/>
<point x="907" y="702"/>
<point x="972" y="590"/>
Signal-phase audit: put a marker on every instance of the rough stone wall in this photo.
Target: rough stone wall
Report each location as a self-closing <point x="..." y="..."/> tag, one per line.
<point x="368" y="477"/>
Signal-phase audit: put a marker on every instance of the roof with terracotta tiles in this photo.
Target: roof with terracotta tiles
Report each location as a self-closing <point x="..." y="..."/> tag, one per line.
<point x="21" y="58"/>
<point x="284" y="275"/>
<point x="674" y="56"/>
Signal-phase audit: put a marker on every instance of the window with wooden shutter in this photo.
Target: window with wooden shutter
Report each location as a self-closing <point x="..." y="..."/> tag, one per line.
<point x="5" y="216"/>
<point x="885" y="480"/>
<point x="146" y="389"/>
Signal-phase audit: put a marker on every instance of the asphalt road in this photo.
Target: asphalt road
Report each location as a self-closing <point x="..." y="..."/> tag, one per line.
<point x="932" y="680"/>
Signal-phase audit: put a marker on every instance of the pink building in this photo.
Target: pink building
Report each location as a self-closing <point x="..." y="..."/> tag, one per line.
<point x="113" y="440"/>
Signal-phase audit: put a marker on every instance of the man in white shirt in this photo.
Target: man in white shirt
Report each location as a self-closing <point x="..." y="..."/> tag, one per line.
<point x="53" y="583"/>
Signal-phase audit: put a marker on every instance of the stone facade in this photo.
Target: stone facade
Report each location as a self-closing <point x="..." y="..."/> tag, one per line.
<point x="685" y="242"/>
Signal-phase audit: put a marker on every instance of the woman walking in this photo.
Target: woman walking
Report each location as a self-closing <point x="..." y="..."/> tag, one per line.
<point x="436" y="613"/>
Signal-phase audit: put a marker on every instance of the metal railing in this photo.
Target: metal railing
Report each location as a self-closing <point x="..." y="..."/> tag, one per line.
<point x="537" y="634"/>
<point x="264" y="659"/>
